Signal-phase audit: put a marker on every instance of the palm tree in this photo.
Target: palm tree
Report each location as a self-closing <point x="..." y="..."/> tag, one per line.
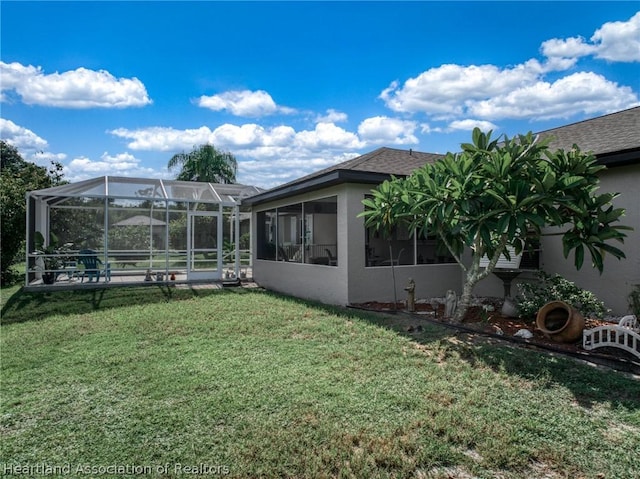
<point x="205" y="163"/>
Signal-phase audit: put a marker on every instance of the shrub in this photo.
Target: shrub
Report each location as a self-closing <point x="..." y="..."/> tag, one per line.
<point x="556" y="288"/>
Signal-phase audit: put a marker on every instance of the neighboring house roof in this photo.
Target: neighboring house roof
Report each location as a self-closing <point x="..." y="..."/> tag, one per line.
<point x="140" y="220"/>
<point x="613" y="138"/>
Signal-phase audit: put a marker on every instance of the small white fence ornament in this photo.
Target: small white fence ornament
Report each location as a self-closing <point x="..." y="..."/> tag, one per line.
<point x="625" y="335"/>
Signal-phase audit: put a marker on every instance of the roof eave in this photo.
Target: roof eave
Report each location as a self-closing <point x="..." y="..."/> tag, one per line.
<point x="331" y="178"/>
<point x="619" y="158"/>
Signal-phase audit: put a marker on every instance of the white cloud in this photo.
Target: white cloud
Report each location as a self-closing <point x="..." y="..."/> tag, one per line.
<point x="266" y="156"/>
<point x="327" y="135"/>
<point x="46" y="157"/>
<point x="384" y="130"/>
<point x="583" y="92"/>
<point x="252" y="104"/>
<point x="427" y="128"/>
<point x="332" y="116"/>
<point x="469" y="125"/>
<point x="614" y="41"/>
<point x="570" y="49"/>
<point x="123" y="164"/>
<point x="443" y="91"/>
<point x="80" y="88"/>
<point x="251" y="136"/>
<point x="269" y="172"/>
<point x="228" y="136"/>
<point x="30" y="146"/>
<point x="157" y="138"/>
<point x="488" y="92"/>
<point x="619" y="41"/>
<point x="20" y="137"/>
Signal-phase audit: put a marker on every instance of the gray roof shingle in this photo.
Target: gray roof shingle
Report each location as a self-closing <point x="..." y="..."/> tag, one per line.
<point x="385" y="160"/>
<point x="606" y="134"/>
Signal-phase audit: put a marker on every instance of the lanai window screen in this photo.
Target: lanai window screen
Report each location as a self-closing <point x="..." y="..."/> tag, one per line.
<point x="135" y="229"/>
<point x="407" y="248"/>
<point x="305" y="232"/>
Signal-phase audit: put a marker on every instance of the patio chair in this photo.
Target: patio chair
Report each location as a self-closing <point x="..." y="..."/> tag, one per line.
<point x="282" y="255"/>
<point x="395" y="262"/>
<point x="70" y="270"/>
<point x="333" y="261"/>
<point x="92" y="265"/>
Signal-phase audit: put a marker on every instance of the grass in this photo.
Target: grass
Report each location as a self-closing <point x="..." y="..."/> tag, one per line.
<point x="250" y="384"/>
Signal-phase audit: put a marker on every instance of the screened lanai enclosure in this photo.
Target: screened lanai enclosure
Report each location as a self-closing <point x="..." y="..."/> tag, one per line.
<point x="111" y="230"/>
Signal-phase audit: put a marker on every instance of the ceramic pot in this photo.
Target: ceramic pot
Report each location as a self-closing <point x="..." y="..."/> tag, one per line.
<point x="560" y="322"/>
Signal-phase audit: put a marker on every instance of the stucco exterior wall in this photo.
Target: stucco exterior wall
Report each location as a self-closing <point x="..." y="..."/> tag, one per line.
<point x="350" y="281"/>
<point x="376" y="283"/>
<point x="327" y="284"/>
<point x="619" y="277"/>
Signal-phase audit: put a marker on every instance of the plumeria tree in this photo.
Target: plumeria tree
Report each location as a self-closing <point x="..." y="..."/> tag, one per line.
<point x="498" y="194"/>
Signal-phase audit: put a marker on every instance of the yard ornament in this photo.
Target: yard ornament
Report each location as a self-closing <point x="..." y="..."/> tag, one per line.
<point x="451" y="303"/>
<point x="411" y="295"/>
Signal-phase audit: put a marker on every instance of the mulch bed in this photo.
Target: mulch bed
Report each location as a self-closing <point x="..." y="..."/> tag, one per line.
<point x="494" y="324"/>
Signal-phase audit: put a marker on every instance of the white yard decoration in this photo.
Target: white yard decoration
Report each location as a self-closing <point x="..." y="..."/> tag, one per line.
<point x="625" y="335"/>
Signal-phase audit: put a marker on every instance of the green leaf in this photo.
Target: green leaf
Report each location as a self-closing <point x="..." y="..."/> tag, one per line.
<point x="579" y="258"/>
<point x="549" y="180"/>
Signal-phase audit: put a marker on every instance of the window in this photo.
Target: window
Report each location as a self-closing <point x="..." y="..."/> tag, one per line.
<point x="266" y="235"/>
<point x="403" y="247"/>
<point x="300" y="233"/>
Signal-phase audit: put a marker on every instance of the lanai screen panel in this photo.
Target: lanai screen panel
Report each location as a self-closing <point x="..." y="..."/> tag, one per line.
<point x="132" y="223"/>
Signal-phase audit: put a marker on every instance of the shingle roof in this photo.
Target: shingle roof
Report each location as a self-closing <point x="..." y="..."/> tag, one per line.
<point x="140" y="220"/>
<point x="613" y="133"/>
<point x="613" y="138"/>
<point x="389" y="161"/>
<point x="372" y="167"/>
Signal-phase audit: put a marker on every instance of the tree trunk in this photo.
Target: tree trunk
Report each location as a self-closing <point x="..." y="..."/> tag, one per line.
<point x="465" y="299"/>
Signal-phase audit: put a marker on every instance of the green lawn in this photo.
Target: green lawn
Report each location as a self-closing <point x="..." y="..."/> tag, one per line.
<point x="251" y="384"/>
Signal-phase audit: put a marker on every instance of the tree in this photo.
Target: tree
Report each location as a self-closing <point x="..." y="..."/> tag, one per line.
<point x="499" y="194"/>
<point x="17" y="177"/>
<point x="205" y="163"/>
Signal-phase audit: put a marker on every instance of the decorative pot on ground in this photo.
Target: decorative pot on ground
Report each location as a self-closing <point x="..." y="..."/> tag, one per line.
<point x="560" y="322"/>
<point x="509" y="308"/>
<point x="49" y="277"/>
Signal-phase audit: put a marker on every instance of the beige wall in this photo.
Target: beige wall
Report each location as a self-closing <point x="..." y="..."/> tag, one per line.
<point x="367" y="284"/>
<point x="326" y="284"/>
<point x="350" y="281"/>
<point x="618" y="278"/>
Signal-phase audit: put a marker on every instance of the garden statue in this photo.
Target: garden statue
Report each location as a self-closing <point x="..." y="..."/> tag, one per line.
<point x="451" y="303"/>
<point x="411" y="295"/>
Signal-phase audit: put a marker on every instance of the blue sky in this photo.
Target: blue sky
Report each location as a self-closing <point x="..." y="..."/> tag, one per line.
<point x="117" y="88"/>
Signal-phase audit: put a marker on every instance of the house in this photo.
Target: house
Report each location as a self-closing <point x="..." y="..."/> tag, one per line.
<point x="308" y="240"/>
<point x="158" y="228"/>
